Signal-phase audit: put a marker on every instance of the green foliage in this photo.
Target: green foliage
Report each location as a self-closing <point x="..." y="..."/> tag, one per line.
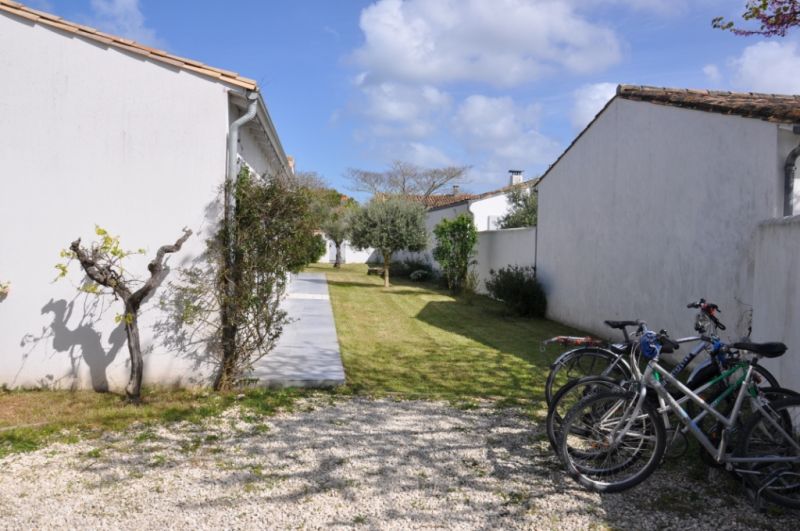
<point x="455" y="242"/>
<point x="420" y="275"/>
<point x="524" y="209"/>
<point x="273" y="235"/>
<point x="519" y="289"/>
<point x="107" y="248"/>
<point x="316" y="249"/>
<point x="335" y="218"/>
<point x="389" y="225"/>
<point x="404" y="268"/>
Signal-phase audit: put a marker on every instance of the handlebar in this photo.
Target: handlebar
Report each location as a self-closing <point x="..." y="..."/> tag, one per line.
<point x="710" y="310"/>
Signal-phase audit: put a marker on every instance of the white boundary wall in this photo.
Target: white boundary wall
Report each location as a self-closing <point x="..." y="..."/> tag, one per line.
<point x="500" y="248"/>
<point x="776" y="314"/>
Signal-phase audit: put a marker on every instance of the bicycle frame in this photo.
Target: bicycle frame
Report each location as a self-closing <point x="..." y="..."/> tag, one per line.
<point x="649" y="376"/>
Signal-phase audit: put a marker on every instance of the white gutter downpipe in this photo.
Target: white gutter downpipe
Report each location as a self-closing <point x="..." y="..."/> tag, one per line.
<point x="233" y="150"/>
<point x="228" y="324"/>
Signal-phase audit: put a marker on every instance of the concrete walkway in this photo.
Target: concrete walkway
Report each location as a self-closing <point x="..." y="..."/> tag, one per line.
<point x="307" y="354"/>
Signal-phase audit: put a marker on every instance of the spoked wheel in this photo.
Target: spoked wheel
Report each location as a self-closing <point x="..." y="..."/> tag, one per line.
<point x="584" y="362"/>
<point x="596" y="450"/>
<point x="774" y="438"/>
<point x="569" y="395"/>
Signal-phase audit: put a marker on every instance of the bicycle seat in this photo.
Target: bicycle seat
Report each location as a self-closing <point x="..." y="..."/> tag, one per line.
<point x="620" y="325"/>
<point x="768" y="350"/>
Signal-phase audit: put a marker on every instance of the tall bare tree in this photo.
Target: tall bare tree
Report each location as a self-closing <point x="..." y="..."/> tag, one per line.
<point x="405" y="179"/>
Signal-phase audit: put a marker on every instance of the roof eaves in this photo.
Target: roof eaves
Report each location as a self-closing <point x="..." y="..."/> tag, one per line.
<point x="79" y="30"/>
<point x="575" y="140"/>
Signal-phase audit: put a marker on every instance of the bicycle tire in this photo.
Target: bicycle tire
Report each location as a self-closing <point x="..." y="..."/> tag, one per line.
<point x="773" y="480"/>
<point x="561" y="404"/>
<point x="570" y="361"/>
<point x="600" y="477"/>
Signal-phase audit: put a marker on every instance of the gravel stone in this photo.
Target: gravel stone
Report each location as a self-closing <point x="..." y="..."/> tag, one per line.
<point x="348" y="463"/>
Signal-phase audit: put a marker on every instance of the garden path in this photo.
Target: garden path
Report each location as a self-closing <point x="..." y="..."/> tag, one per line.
<point x="307" y="353"/>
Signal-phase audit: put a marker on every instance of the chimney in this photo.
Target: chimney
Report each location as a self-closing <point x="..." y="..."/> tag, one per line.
<point x="456" y="189"/>
<point x="516" y="177"/>
<point x="290" y="160"/>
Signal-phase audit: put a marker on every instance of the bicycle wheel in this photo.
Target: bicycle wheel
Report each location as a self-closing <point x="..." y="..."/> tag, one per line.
<point x="569" y="395"/>
<point x="590" y="455"/>
<point x="777" y="477"/>
<point x="589" y="361"/>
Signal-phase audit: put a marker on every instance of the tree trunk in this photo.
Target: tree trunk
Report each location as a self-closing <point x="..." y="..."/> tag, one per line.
<point x="338" y="262"/>
<point x="386" y="261"/>
<point x="133" y="391"/>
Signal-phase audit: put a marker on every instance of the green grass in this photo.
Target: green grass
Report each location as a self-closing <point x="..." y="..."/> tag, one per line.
<point x="411" y="340"/>
<point x="418" y="341"/>
<point x="31" y="419"/>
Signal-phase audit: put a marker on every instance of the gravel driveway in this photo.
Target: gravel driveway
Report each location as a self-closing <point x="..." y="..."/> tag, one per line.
<point x="375" y="464"/>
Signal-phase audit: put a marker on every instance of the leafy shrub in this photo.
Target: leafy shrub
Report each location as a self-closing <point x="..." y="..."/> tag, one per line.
<point x="518" y="288"/>
<point x="315" y="249"/>
<point x="406" y="267"/>
<point x="455" y="241"/>
<point x="420" y="275"/>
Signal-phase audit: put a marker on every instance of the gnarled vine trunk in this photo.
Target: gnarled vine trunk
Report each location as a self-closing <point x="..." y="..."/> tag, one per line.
<point x="104" y="270"/>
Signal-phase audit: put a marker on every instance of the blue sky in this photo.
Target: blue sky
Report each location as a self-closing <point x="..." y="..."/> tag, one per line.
<point x="492" y="84"/>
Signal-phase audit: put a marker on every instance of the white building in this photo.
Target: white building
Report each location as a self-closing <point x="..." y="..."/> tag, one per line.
<point x="96" y="129"/>
<point x="668" y="196"/>
<point x="350" y="255"/>
<point x="495" y="247"/>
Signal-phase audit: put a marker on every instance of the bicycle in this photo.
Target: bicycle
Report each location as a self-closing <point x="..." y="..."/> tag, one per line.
<point x="612" y="441"/>
<point x="705" y="321"/>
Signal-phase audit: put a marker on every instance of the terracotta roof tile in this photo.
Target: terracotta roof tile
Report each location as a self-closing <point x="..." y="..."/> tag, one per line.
<point x="778" y="108"/>
<point x="433" y="202"/>
<point x="770" y="107"/>
<point x="441" y="200"/>
<point x="47" y="19"/>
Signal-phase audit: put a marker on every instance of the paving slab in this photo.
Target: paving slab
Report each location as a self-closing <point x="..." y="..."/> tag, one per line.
<point x="307" y="353"/>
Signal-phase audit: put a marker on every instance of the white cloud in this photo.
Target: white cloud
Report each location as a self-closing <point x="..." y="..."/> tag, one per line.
<point x="503" y="42"/>
<point x="768" y="66"/>
<point x="589" y="100"/>
<point x="712" y="73"/>
<point x="397" y="109"/>
<point x="503" y="133"/>
<point x="426" y="156"/>
<point x="124" y="18"/>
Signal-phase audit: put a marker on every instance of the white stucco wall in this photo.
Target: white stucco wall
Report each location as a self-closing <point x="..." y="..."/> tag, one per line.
<point x="89" y="135"/>
<point x="776" y="294"/>
<point x="500" y="248"/>
<point x="487" y="212"/>
<point x="350" y="254"/>
<point x="653" y="207"/>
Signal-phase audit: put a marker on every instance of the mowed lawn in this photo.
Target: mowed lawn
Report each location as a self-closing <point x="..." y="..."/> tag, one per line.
<point x="417" y="340"/>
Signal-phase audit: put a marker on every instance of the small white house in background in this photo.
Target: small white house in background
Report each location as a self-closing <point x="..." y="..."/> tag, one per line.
<point x="350" y="255"/>
<point x="670" y="195"/>
<point x="496" y="247"/>
<point x="97" y="129"/>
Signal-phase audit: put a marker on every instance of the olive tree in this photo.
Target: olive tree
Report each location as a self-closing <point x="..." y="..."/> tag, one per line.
<point x="389" y="225"/>
<point x="336" y="224"/>
<point x="102" y="262"/>
<point x="524" y="209"/>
